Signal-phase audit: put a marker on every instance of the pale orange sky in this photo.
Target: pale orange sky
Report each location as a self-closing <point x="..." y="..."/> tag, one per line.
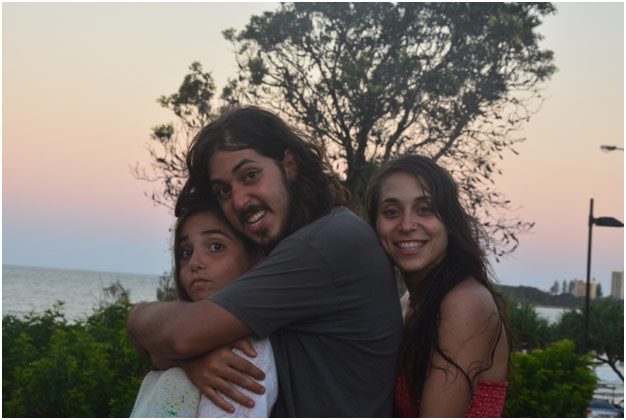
<point x="79" y="86"/>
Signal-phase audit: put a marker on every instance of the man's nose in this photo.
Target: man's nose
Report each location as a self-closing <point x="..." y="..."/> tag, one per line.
<point x="241" y="198"/>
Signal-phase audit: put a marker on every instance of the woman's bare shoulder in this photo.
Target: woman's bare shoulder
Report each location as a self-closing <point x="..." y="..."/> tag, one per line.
<point x="468" y="299"/>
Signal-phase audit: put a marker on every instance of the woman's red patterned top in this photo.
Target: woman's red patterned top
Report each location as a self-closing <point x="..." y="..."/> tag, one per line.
<point x="488" y="400"/>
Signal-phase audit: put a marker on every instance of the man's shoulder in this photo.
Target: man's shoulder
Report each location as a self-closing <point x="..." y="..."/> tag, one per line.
<point x="340" y="224"/>
<point x="340" y="234"/>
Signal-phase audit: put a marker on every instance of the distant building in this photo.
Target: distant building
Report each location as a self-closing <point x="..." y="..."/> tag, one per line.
<point x="617" y="285"/>
<point x="580" y="288"/>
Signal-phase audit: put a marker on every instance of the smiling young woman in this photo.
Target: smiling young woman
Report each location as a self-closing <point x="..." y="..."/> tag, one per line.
<point x="456" y="347"/>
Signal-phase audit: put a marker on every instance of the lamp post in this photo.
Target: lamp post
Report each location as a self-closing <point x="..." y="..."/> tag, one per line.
<point x="610" y="148"/>
<point x="599" y="221"/>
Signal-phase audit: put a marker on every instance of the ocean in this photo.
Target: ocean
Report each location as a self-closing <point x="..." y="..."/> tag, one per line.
<point x="35" y="289"/>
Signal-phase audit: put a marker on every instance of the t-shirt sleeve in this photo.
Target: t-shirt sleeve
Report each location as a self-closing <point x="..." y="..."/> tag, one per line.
<point x="292" y="284"/>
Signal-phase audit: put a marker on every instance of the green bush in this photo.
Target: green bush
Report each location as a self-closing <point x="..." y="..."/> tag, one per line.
<point x="528" y="330"/>
<point x="55" y="369"/>
<point x="556" y="382"/>
<point x="606" y="331"/>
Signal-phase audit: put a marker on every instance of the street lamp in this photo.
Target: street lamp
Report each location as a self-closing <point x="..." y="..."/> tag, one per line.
<point x="610" y="148"/>
<point x="599" y="221"/>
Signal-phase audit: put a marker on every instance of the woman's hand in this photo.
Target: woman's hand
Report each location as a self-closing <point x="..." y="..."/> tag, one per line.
<point x="219" y="369"/>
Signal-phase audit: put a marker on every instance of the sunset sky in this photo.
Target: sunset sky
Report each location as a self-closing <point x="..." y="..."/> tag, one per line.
<point x="79" y="89"/>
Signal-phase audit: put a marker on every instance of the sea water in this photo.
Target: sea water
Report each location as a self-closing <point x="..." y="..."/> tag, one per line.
<point x="35" y="289"/>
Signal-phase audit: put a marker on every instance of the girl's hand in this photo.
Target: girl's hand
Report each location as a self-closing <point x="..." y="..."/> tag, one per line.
<point x="220" y="369"/>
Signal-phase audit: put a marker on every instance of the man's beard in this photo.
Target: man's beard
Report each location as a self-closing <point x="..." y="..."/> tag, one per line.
<point x="287" y="224"/>
<point x="285" y="229"/>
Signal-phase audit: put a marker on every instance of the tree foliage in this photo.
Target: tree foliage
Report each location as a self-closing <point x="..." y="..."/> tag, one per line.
<point x="370" y="81"/>
<point x="535" y="296"/>
<point x="556" y="382"/>
<point x="51" y="368"/>
<point x="192" y="104"/>
<point x="606" y="331"/>
<point x="555" y="288"/>
<point x="167" y="288"/>
<point x="528" y="330"/>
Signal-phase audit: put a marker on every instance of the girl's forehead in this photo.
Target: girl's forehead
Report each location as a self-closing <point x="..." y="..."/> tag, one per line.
<point x="405" y="184"/>
<point x="205" y="221"/>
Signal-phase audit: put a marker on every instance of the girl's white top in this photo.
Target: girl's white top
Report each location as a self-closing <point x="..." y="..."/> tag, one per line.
<point x="170" y="393"/>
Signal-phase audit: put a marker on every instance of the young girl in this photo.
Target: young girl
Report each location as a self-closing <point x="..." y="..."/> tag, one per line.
<point x="454" y="358"/>
<point x="208" y="255"/>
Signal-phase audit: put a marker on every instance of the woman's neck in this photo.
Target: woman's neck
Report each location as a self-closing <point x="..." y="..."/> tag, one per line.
<point x="415" y="281"/>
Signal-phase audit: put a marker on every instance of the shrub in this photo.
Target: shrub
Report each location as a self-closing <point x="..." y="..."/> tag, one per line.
<point x="556" y="382"/>
<point x="528" y="330"/>
<point x="606" y="331"/>
<point x="55" y="369"/>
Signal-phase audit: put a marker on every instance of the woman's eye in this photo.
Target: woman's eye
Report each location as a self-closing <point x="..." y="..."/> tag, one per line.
<point x="425" y="210"/>
<point x="216" y="247"/>
<point x="390" y="212"/>
<point x="186" y="254"/>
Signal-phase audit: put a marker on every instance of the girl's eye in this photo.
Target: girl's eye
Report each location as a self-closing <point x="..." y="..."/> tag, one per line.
<point x="390" y="212"/>
<point x="216" y="247"/>
<point x="425" y="210"/>
<point x="186" y="254"/>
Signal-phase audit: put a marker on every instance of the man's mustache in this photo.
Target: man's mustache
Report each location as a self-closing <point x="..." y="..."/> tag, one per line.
<point x="251" y="209"/>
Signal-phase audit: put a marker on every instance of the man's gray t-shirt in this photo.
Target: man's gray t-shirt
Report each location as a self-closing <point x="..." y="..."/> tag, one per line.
<point x="327" y="298"/>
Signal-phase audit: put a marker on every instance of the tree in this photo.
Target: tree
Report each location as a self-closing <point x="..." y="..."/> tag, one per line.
<point x="374" y="80"/>
<point x="51" y="368"/>
<point x="528" y="330"/>
<point x="167" y="289"/>
<point x="192" y="104"/>
<point x="599" y="290"/>
<point x="572" y="286"/>
<point x="370" y="81"/>
<point x="606" y="331"/>
<point x="556" y="382"/>
<point x="555" y="288"/>
<point x="564" y="287"/>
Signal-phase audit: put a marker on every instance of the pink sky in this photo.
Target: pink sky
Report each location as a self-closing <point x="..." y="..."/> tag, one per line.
<point x="80" y="83"/>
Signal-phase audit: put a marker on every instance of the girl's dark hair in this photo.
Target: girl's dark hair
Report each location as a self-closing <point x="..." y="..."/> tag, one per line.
<point x="464" y="258"/>
<point x="313" y="193"/>
<point x="199" y="207"/>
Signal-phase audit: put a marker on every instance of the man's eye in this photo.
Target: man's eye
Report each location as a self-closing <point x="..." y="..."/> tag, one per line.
<point x="251" y="175"/>
<point x="222" y="192"/>
<point x="216" y="247"/>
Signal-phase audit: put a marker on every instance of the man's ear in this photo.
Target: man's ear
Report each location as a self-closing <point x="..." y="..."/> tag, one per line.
<point x="290" y="165"/>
